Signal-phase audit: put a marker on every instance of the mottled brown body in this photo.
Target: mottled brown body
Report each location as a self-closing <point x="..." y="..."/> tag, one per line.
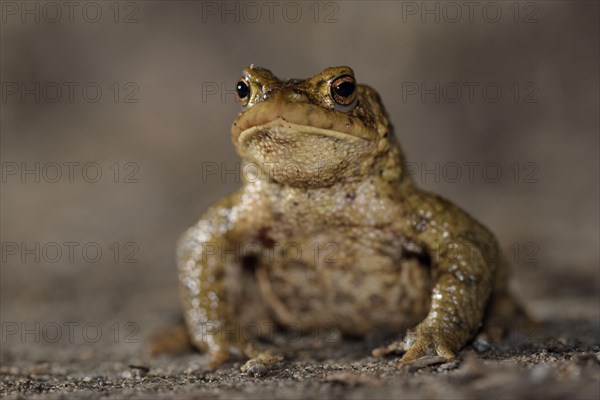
<point x="329" y="231"/>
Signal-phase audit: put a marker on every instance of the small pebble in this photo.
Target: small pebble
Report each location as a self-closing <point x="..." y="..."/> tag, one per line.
<point x="139" y="370"/>
<point x="481" y="345"/>
<point x="257" y="370"/>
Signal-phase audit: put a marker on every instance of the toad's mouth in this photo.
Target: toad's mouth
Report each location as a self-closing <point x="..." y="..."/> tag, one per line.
<point x="279" y="125"/>
<point x="297" y="118"/>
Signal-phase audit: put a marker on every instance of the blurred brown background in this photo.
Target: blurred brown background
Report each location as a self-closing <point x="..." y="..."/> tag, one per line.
<point x="166" y="71"/>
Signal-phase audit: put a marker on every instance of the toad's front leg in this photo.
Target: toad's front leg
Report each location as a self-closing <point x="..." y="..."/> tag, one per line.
<point x="216" y="291"/>
<point x="463" y="282"/>
<point x="458" y="302"/>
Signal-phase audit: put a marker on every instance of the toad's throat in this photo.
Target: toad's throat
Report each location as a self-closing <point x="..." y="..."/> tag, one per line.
<point x="280" y="125"/>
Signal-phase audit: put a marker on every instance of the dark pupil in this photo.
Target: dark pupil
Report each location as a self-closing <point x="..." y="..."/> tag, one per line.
<point x="344" y="89"/>
<point x="242" y="90"/>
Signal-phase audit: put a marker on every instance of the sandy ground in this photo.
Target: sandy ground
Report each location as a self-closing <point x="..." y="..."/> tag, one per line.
<point x="557" y="368"/>
<point x="559" y="360"/>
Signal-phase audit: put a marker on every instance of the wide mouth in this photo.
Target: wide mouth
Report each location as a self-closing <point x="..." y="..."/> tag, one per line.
<point x="280" y="125"/>
<point x="305" y="118"/>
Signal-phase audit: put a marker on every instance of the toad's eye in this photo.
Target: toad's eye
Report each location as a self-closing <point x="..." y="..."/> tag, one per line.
<point x="242" y="91"/>
<point x="343" y="91"/>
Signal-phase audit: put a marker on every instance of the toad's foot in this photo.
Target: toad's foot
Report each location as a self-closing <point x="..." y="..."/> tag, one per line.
<point x="260" y="363"/>
<point x="423" y="342"/>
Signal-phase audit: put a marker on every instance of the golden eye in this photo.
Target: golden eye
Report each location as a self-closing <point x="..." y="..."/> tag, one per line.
<point x="242" y="92"/>
<point x="343" y="90"/>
